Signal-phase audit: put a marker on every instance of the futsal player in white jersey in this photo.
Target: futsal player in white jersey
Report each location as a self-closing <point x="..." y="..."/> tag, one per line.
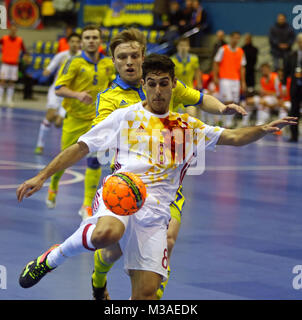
<point x="55" y="112"/>
<point x="142" y="237"/>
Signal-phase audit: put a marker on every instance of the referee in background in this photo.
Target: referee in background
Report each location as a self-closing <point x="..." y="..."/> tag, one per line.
<point x="293" y="69"/>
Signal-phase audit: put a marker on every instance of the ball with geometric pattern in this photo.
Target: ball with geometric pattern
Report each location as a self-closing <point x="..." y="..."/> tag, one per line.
<point x="124" y="193"/>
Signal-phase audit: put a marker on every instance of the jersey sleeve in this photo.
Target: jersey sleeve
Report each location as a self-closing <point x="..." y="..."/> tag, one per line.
<point x="54" y="63"/>
<point x="104" y="135"/>
<point x="67" y="73"/>
<point x="104" y="107"/>
<point x="186" y="96"/>
<point x="212" y="135"/>
<point x="219" y="55"/>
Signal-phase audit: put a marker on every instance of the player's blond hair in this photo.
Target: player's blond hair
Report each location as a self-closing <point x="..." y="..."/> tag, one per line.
<point x="128" y="35"/>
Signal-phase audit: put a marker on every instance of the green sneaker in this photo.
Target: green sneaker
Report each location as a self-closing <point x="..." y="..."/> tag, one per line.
<point x="35" y="270"/>
<point x="39" y="150"/>
<point x="160" y="291"/>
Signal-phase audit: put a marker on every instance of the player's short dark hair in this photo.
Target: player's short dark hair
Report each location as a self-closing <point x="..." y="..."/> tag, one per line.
<point x="73" y="34"/>
<point x="128" y="35"/>
<point x="91" y="27"/>
<point x="158" y="63"/>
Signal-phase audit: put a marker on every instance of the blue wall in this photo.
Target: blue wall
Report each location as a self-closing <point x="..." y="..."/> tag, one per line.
<point x="250" y="16"/>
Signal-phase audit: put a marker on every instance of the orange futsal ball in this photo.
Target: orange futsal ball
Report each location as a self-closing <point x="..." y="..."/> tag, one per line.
<point x="124" y="193"/>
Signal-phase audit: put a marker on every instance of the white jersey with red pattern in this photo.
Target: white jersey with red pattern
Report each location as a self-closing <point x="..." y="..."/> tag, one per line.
<point x="157" y="148"/>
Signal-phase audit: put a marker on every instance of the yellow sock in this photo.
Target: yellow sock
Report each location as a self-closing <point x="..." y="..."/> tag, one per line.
<point x="101" y="268"/>
<point x="92" y="179"/>
<point x="161" y="289"/>
<point x="55" y="179"/>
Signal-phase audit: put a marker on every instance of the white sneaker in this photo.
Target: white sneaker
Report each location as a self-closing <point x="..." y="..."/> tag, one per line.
<point x="51" y="199"/>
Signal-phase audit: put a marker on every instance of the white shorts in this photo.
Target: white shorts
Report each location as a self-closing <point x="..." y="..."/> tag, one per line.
<point x="9" y="72"/>
<point x="269" y="100"/>
<point x="53" y="101"/>
<point x="143" y="247"/>
<point x="229" y="90"/>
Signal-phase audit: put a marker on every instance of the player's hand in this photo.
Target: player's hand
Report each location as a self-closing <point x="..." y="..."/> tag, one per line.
<point x="279" y="124"/>
<point x="29" y="187"/>
<point x="234" y="109"/>
<point x="85" y="97"/>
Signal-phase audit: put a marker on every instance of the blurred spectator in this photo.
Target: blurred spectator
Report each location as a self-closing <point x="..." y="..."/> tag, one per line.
<point x="63" y="42"/>
<point x="12" y="47"/>
<point x="175" y="16"/>
<point x="269" y="96"/>
<point x="198" y="20"/>
<point x="160" y="13"/>
<point x="281" y="37"/>
<point x="173" y="25"/>
<point x="251" y="54"/>
<point x="186" y="18"/>
<point x="219" y="42"/>
<point x="65" y="11"/>
<point x="293" y="69"/>
<point x="26" y="78"/>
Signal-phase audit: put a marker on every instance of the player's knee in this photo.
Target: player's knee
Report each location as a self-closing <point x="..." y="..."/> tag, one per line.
<point x="170" y="243"/>
<point x="105" y="236"/>
<point x="93" y="163"/>
<point x="110" y="255"/>
<point x="146" y="292"/>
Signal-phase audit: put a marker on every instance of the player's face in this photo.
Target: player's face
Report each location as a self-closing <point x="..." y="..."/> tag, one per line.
<point x="265" y="71"/>
<point x="128" y="59"/>
<point x="158" y="87"/>
<point x="91" y="40"/>
<point x="234" y="40"/>
<point x="13" y="31"/>
<point x="183" y="48"/>
<point x="74" y="44"/>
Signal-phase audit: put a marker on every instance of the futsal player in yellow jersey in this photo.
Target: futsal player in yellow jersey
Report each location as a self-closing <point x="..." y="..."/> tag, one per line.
<point x="187" y="70"/>
<point x="187" y="65"/>
<point x="79" y="81"/>
<point x="128" y="49"/>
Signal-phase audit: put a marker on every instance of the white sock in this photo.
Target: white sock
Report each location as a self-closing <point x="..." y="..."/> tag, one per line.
<point x="43" y="131"/>
<point x="1" y="92"/>
<point x="77" y="243"/>
<point x="262" y="116"/>
<point x="9" y="93"/>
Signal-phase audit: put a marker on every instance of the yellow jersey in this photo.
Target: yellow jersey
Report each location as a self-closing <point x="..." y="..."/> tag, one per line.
<point x="79" y="73"/>
<point x="121" y="95"/>
<point x="185" y="70"/>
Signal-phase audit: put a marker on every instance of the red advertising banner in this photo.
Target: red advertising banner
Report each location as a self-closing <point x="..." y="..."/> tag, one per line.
<point x="24" y="13"/>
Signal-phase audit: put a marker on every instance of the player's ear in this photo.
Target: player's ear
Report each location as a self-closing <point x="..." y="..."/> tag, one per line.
<point x="142" y="82"/>
<point x="174" y="82"/>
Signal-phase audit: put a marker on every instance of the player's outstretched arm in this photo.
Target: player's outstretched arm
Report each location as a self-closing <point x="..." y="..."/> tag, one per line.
<point x="243" y="136"/>
<point x="63" y="160"/>
<point x="212" y="105"/>
<point x="83" y="96"/>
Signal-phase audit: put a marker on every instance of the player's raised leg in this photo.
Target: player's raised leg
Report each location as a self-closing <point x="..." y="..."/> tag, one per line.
<point x="107" y="231"/>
